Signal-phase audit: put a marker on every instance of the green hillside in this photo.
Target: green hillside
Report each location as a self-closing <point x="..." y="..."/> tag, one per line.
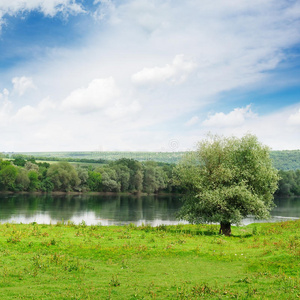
<point x="283" y="160"/>
<point x="286" y="160"/>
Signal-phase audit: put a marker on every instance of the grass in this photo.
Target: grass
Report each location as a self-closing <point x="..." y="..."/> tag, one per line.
<point x="68" y="261"/>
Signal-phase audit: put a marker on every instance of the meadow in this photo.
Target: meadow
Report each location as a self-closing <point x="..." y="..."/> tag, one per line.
<point x="68" y="261"/>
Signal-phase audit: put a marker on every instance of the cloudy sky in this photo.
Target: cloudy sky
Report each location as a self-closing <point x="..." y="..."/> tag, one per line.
<point x="84" y="75"/>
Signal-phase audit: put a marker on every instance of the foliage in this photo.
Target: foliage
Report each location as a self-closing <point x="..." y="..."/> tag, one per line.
<point x="63" y="176"/>
<point x="286" y="160"/>
<point x="94" y="181"/>
<point x="126" y="175"/>
<point x="154" y="178"/>
<point x="8" y="175"/>
<point x="22" y="180"/>
<point x="33" y="180"/>
<point x="227" y="179"/>
<point x="289" y="183"/>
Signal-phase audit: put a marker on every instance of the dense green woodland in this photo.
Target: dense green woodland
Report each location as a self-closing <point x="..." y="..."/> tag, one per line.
<point x="286" y="160"/>
<point x="123" y="175"/>
<point x="282" y="160"/>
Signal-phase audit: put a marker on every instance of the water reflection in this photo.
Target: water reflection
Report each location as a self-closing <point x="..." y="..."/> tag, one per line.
<point x="111" y="209"/>
<point x="107" y="210"/>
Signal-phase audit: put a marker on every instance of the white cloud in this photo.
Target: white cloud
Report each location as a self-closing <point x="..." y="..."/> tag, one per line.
<point x="236" y="117"/>
<point x="105" y="9"/>
<point x="226" y="46"/>
<point x="176" y="72"/>
<point x="92" y="98"/>
<point x="5" y="107"/>
<point x="272" y="129"/>
<point x="22" y="84"/>
<point x="47" y="7"/>
<point x="30" y="114"/>
<point x="294" y="119"/>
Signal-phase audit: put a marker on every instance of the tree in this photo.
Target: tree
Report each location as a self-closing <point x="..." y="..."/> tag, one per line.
<point x="30" y="166"/>
<point x="63" y="176"/>
<point x="227" y="179"/>
<point x="109" y="181"/>
<point x="19" y="161"/>
<point x="94" y="181"/>
<point x="154" y="178"/>
<point x="34" y="180"/>
<point x="129" y="174"/>
<point x="22" y="180"/>
<point x="8" y="175"/>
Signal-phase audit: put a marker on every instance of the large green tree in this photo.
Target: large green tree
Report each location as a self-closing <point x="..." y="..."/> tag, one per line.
<point x="63" y="176"/>
<point x="227" y="179"/>
<point x="8" y="175"/>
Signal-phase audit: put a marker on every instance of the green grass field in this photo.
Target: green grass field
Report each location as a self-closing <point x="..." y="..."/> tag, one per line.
<point x="67" y="261"/>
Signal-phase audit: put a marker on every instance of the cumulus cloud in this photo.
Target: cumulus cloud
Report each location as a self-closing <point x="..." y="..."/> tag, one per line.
<point x="223" y="46"/>
<point x="30" y="114"/>
<point x="176" y="72"/>
<point x="22" y="84"/>
<point x="235" y="118"/>
<point x="92" y="98"/>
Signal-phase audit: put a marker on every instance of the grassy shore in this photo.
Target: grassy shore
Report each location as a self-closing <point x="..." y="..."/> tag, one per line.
<point x="67" y="261"/>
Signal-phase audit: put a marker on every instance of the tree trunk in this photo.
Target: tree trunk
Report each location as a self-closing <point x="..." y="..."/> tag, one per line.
<point x="225" y="228"/>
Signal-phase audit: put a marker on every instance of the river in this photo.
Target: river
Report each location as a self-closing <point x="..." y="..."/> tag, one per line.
<point x="112" y="209"/>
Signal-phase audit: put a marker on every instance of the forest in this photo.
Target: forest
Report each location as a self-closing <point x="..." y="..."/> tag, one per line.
<point x="23" y="173"/>
<point x="123" y="175"/>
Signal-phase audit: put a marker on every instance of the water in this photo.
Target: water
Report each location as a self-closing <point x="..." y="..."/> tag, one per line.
<point x="111" y="210"/>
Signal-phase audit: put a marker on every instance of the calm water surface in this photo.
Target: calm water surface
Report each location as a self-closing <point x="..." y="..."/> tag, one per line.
<point x="111" y="210"/>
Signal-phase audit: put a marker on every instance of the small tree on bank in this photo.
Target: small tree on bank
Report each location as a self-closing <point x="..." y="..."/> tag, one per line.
<point x="225" y="180"/>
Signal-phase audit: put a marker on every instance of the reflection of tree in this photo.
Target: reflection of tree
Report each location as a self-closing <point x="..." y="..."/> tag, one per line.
<point x="117" y="208"/>
<point x="18" y="204"/>
<point x="287" y="207"/>
<point x="134" y="208"/>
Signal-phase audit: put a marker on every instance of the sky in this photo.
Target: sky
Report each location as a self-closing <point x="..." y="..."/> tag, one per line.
<point x="147" y="75"/>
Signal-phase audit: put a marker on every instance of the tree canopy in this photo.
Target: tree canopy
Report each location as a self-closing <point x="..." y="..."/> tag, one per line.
<point x="227" y="179"/>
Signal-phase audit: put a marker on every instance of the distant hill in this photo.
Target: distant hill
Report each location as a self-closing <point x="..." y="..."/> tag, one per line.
<point x="283" y="160"/>
<point x="166" y="157"/>
<point x="286" y="160"/>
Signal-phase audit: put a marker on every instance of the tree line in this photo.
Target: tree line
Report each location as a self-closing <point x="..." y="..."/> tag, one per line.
<point x="289" y="183"/>
<point x="123" y="175"/>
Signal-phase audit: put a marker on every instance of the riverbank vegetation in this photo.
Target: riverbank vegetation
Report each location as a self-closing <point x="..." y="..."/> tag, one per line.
<point x="67" y="261"/>
<point x="124" y="175"/>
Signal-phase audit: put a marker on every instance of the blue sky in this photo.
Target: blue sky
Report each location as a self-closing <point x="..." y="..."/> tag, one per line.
<point x="138" y="75"/>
